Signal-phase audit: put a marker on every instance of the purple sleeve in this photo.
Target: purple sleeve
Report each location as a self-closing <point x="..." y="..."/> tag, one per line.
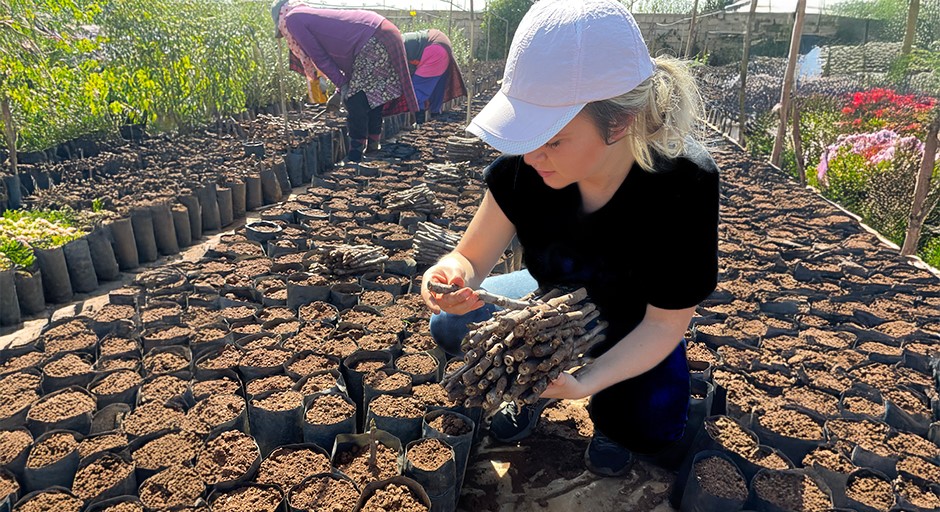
<point x="312" y="47"/>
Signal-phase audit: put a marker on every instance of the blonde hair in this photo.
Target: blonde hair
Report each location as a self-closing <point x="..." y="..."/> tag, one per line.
<point x="665" y="110"/>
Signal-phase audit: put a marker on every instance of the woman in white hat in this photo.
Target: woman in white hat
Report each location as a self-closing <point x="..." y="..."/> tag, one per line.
<point x="605" y="186"/>
<point x="362" y="53"/>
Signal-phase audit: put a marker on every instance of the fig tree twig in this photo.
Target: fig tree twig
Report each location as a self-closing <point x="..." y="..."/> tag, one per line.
<point x="485" y="296"/>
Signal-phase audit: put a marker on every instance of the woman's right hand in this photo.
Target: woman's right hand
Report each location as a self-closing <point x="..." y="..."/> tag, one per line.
<point x="460" y="302"/>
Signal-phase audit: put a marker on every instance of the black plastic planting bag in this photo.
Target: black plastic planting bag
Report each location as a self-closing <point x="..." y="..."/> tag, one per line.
<point x="794" y="448"/>
<point x="125" y="486"/>
<point x="324" y="436"/>
<point x="369" y="391"/>
<point x="440" y="484"/>
<point x="214" y="496"/>
<point x="59" y="473"/>
<point x="462" y="443"/>
<point x="307" y="481"/>
<point x="80" y="422"/>
<point x="109" y="418"/>
<point x="762" y="504"/>
<point x="405" y="429"/>
<point x="416" y="490"/>
<point x="102" y="505"/>
<point x="354" y="377"/>
<point x="697" y="497"/>
<point x="844" y="500"/>
<point x="274" y="428"/>
<point x="700" y="405"/>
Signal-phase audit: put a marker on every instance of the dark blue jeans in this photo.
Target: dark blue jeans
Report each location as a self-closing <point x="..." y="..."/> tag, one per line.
<point x="644" y="414"/>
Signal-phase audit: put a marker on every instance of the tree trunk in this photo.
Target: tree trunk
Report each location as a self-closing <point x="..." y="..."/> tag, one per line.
<point x="788" y="81"/>
<point x="919" y="212"/>
<point x="742" y="97"/>
<point x="911" y="27"/>
<point x="9" y="132"/>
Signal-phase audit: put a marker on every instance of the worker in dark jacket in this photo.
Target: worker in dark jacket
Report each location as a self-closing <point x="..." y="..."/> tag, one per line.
<point x="434" y="71"/>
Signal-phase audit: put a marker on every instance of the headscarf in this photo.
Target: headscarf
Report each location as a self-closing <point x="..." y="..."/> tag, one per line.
<point x="279" y="11"/>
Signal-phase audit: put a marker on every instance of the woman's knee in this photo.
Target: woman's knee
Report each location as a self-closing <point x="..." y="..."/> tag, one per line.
<point x="449" y="330"/>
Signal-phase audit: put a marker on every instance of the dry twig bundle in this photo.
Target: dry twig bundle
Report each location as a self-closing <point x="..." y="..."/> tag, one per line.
<point x="431" y="242"/>
<point x="513" y="356"/>
<point x="419" y="199"/>
<point x="346" y="259"/>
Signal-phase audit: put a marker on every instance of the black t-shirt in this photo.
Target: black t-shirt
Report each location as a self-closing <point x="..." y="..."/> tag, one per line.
<point x="655" y="242"/>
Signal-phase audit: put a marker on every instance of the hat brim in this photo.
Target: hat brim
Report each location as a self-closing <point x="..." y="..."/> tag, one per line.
<point x="516" y="127"/>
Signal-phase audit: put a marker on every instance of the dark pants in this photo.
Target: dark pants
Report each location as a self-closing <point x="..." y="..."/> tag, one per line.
<point x="362" y="121"/>
<point x="644" y="414"/>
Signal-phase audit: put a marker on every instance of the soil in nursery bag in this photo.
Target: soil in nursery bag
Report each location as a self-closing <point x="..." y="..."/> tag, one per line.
<point x="116" y="386"/>
<point x="255" y="498"/>
<point x="868" y="491"/>
<point x="104" y="477"/>
<point x="431" y="463"/>
<point x="69" y="409"/>
<point x="715" y="483"/>
<point x="262" y="362"/>
<point x="794" y="432"/>
<point x="9" y="489"/>
<point x="165" y="450"/>
<point x="288" y="465"/>
<point x="324" y="492"/>
<point x="58" y="499"/>
<point x="328" y="415"/>
<point x="310" y="363"/>
<point x="423" y="368"/>
<point x="66" y="370"/>
<point x="396" y="495"/>
<point x="220" y="386"/>
<point x="175" y="486"/>
<point x="912" y="444"/>
<point x="773" y="490"/>
<point x="125" y="503"/>
<point x="52" y="460"/>
<point x="114" y="317"/>
<point x="320" y="382"/>
<point x="919" y="468"/>
<point x="228" y="459"/>
<point x="917" y="494"/>
<point x="17" y="392"/>
<point x="14" y="448"/>
<point x="110" y="364"/>
<point x="91" y="445"/>
<point x="364" y="465"/>
<point x="266" y="384"/>
<point x="166" y="361"/>
<point x="73" y="336"/>
<point x="33" y="359"/>
<point x="385" y="381"/>
<point x="162" y="388"/>
<point x="275" y="419"/>
<point x="400" y="416"/>
<point x="433" y="396"/>
<point x="151" y="418"/>
<point x="215" y="412"/>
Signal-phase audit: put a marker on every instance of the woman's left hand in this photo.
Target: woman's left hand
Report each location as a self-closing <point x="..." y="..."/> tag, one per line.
<point x="566" y="386"/>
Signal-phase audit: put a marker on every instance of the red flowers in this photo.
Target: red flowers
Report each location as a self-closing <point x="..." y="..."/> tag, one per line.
<point x="885" y="108"/>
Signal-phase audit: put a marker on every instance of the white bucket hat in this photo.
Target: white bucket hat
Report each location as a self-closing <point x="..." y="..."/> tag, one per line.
<point x="564" y="55"/>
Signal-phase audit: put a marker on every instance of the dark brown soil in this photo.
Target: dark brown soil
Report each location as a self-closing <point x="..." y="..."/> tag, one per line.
<point x="174" y="486"/>
<point x="255" y="499"/>
<point x="429" y="454"/>
<point x="312" y="363"/>
<point x="152" y="417"/>
<point x="871" y="491"/>
<point x="114" y="346"/>
<point x="329" y="409"/>
<point x="280" y="401"/>
<point x="27" y="360"/>
<point x="272" y="383"/>
<point x="450" y="424"/>
<point x="790" y="423"/>
<point x="418" y="343"/>
<point x="417" y="364"/>
<point x="288" y="467"/>
<point x="212" y="412"/>
<point x="12" y="444"/>
<point x="333" y="346"/>
<point x="49" y="501"/>
<point x="317" y="310"/>
<point x="8" y="485"/>
<point x="392" y="498"/>
<point x="164" y="362"/>
<point x="354" y="463"/>
<point x="227" y="457"/>
<point x="265" y="357"/>
<point x="325" y="493"/>
<point x="101" y="475"/>
<point x="115" y="383"/>
<point x="170" y="449"/>
<point x="64" y="405"/>
<point x="432" y="394"/>
<point x="51" y="450"/>
<point x="382" y="381"/>
<point x="221" y="386"/>
<point x="790" y="491"/>
<point x="92" y="445"/>
<point x="718" y="477"/>
<point x="162" y="388"/>
<point x="69" y="365"/>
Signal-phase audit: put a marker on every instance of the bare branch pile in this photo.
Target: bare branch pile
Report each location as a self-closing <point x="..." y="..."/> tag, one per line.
<point x="446" y="174"/>
<point x="463" y="149"/>
<point x="419" y="199"/>
<point x="431" y="242"/>
<point x="513" y="356"/>
<point x="346" y="259"/>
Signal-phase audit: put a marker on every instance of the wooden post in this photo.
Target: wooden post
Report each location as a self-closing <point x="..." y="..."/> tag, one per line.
<point x="470" y="82"/>
<point x="798" y="144"/>
<point x="9" y="132"/>
<point x="688" y="44"/>
<point x="911" y="31"/>
<point x="742" y="95"/>
<point x="788" y="81"/>
<point x="919" y="211"/>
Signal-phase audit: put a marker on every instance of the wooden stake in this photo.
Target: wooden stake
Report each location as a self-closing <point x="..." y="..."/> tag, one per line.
<point x="788" y="81"/>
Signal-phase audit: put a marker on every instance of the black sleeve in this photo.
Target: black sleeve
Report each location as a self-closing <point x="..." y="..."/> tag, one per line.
<point x="683" y="253"/>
